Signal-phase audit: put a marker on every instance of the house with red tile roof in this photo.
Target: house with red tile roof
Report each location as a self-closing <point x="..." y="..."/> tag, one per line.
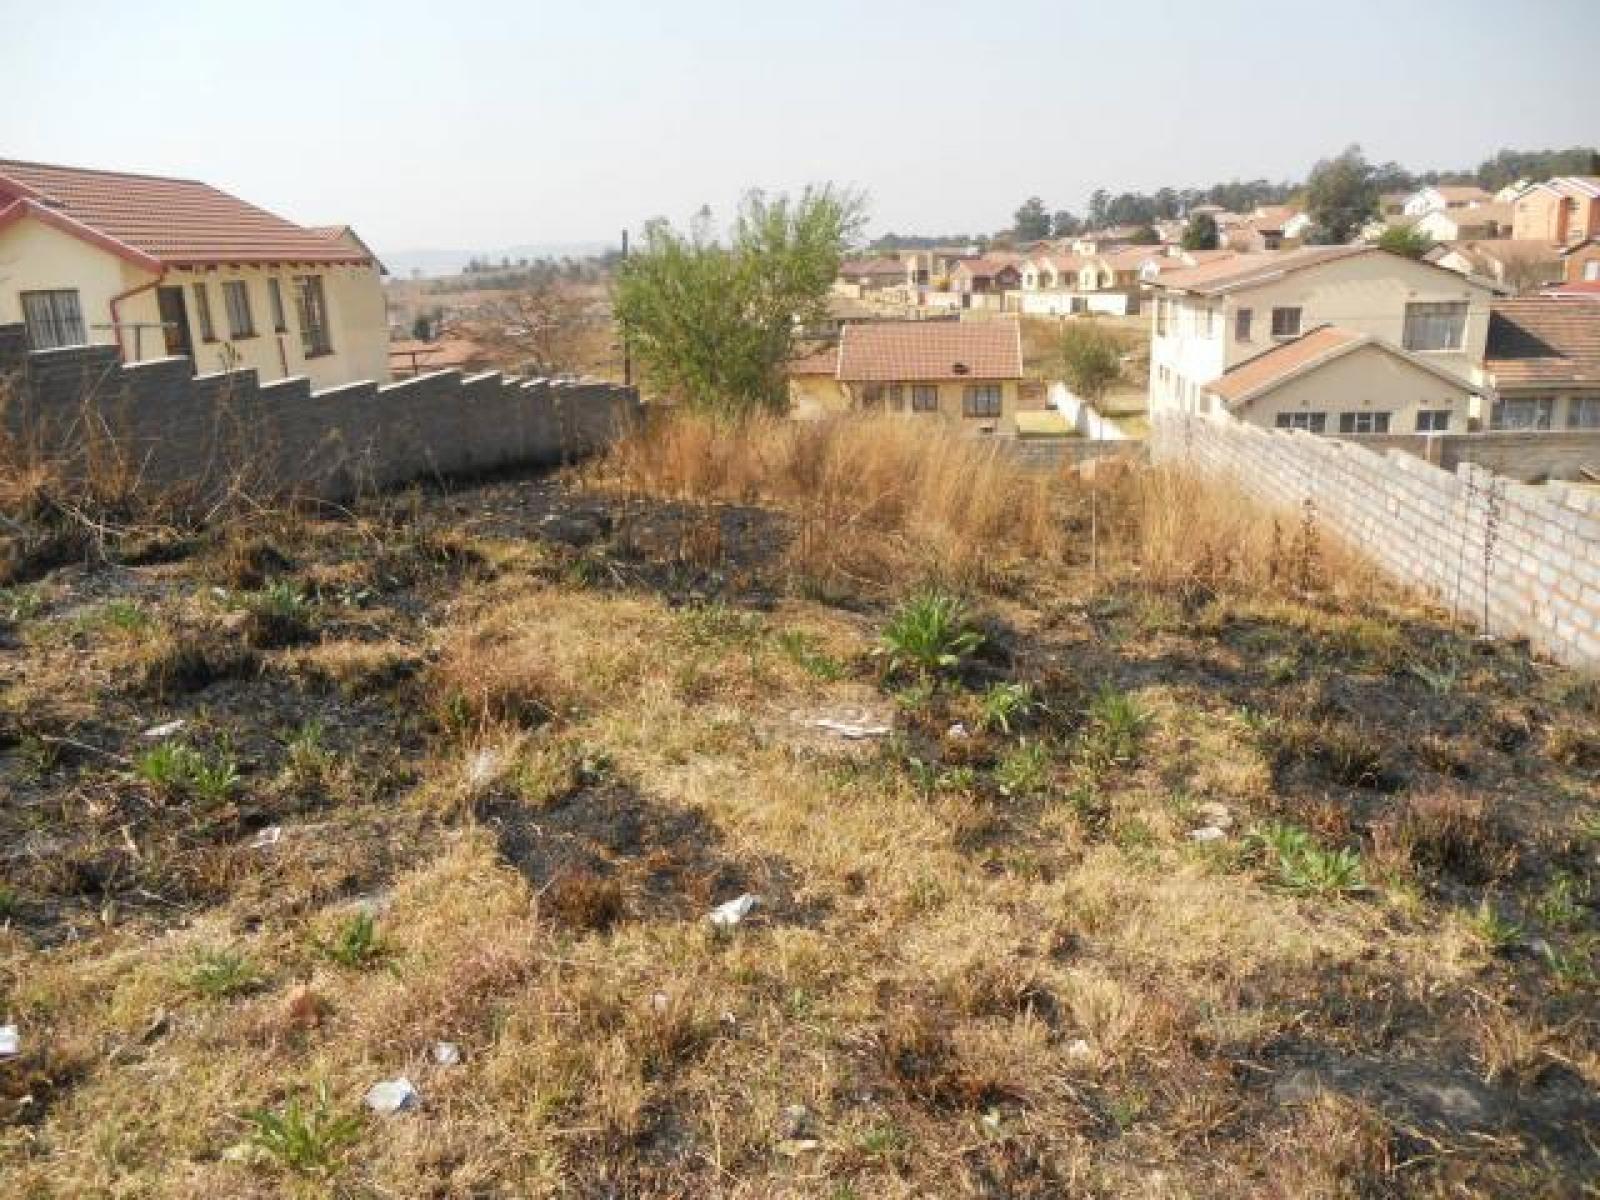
<point x="1210" y="319"/>
<point x="966" y="372"/>
<point x="1542" y="362"/>
<point x="162" y="267"/>
<point x="1338" y="381"/>
<point x="1564" y="210"/>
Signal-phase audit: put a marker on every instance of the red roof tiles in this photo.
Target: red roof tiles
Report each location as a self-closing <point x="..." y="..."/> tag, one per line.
<point x="178" y="221"/>
<point x="1270" y="369"/>
<point x="907" y="351"/>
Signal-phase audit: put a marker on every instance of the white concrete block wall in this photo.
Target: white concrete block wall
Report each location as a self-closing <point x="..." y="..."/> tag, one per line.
<point x="1425" y="526"/>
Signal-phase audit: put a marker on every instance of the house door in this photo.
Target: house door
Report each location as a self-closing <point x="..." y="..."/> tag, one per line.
<point x="174" y="321"/>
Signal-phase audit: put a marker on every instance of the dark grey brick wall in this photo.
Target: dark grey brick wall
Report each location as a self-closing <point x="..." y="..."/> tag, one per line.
<point x="1513" y="558"/>
<point x="180" y="430"/>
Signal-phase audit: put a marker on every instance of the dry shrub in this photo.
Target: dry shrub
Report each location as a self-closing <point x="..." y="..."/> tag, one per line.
<point x="583" y="900"/>
<point x="1447" y="832"/>
<point x="1341" y="1149"/>
<point x="1200" y="535"/>
<point x="874" y="496"/>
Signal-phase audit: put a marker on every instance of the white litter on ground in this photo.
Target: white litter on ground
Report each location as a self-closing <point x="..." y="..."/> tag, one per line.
<point x="726" y="916"/>
<point x="391" y="1096"/>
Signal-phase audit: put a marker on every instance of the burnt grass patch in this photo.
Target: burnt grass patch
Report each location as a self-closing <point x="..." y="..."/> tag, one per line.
<point x="604" y="853"/>
<point x="1448" y="766"/>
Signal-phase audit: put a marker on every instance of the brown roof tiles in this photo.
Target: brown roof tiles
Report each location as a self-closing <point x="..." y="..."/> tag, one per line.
<point x="179" y="221"/>
<point x="1544" y="340"/>
<point x="906" y="351"/>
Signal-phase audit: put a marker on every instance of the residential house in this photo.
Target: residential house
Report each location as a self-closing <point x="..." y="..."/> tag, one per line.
<point x="1441" y="197"/>
<point x="1479" y="223"/>
<point x="1521" y="266"/>
<point x="983" y="281"/>
<point x="966" y="372"/>
<point x="1209" y="319"/>
<point x="1542" y="363"/>
<point x="1262" y="230"/>
<point x="1565" y="210"/>
<point x="1580" y="263"/>
<point x="872" y="274"/>
<point x="1509" y="193"/>
<point x="1338" y="381"/>
<point x="160" y="267"/>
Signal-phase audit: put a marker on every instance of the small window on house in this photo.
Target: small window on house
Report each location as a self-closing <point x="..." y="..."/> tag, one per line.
<point x="1208" y="322"/>
<point x="1364" y="422"/>
<point x="1163" y="315"/>
<point x="1433" y="420"/>
<point x="1241" y="325"/>
<point x="981" y="400"/>
<point x="1591" y="271"/>
<point x="312" y="304"/>
<point x="236" y="299"/>
<point x="897" y="398"/>
<point x="1525" y="412"/>
<point x="1433" y="327"/>
<point x="924" y="398"/>
<point x="280" y="320"/>
<point x="1583" y="412"/>
<point x="202" y="313"/>
<point x="872" y="396"/>
<point x="1285" y="322"/>
<point x="53" y="319"/>
<point x="1311" y="422"/>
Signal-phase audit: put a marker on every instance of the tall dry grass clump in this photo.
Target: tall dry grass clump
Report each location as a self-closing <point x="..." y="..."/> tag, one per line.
<point x="1196" y="533"/>
<point x="873" y="496"/>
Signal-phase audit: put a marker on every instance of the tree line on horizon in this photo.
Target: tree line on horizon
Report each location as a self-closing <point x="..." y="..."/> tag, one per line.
<point x="1354" y="180"/>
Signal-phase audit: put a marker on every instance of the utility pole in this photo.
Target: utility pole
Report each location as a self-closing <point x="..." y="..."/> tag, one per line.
<point x="627" y="349"/>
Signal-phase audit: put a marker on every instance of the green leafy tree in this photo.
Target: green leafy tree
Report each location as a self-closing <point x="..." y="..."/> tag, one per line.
<point x="1406" y="240"/>
<point x="1341" y="196"/>
<point x="712" y="322"/>
<point x="1089" y="359"/>
<point x="1200" y="233"/>
<point x="1032" y="222"/>
<point x="1064" y="224"/>
<point x="1145" y="235"/>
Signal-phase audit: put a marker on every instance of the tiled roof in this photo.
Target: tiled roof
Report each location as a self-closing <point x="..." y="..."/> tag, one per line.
<point x="1574" y="185"/>
<point x="1544" y="340"/>
<point x="179" y="221"/>
<point x="907" y="351"/>
<point x="1460" y="191"/>
<point x="818" y="362"/>
<point x="872" y="266"/>
<point x="1267" y="370"/>
<point x="1225" y="274"/>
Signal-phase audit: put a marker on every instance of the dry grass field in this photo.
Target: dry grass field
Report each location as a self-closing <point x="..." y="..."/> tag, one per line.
<point x="1206" y="865"/>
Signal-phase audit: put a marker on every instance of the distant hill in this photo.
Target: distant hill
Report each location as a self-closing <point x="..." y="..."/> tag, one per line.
<point x="405" y="264"/>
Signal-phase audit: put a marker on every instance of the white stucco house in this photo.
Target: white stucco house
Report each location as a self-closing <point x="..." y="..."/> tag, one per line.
<point x="162" y="267"/>
<point x="1209" y="320"/>
<point x="1441" y="196"/>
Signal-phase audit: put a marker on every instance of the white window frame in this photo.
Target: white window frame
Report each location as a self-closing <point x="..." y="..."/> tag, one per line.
<point x="1530" y="412"/>
<point x="1310" y="421"/>
<point x="53" y="318"/>
<point x="1281" y="321"/>
<point x="1364" y="422"/>
<point x="1426" y="418"/>
<point x="1435" y="327"/>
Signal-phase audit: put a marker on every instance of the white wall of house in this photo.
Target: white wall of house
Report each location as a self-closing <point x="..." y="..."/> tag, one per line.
<point x="35" y="257"/>
<point x="1365" y="293"/>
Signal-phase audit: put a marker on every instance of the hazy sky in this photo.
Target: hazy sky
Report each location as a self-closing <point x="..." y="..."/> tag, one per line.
<point x="471" y="123"/>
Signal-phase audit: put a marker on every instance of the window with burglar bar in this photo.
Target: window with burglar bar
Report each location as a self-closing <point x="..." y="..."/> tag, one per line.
<point x="53" y="319"/>
<point x="313" y="308"/>
<point x="1435" y="326"/>
<point x="1311" y="422"/>
<point x="202" y="313"/>
<point x="1364" y="422"/>
<point x="924" y="398"/>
